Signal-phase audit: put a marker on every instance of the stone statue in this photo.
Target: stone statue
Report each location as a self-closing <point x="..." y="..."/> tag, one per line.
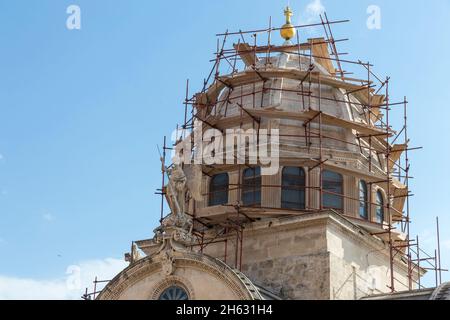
<point x="135" y="253"/>
<point x="178" y="225"/>
<point x="176" y="190"/>
<point x="134" y="256"/>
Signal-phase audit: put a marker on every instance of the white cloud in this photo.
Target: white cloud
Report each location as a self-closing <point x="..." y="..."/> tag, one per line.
<point x="309" y="15"/>
<point x="68" y="287"/>
<point x="446" y="244"/>
<point x="314" y="9"/>
<point x="427" y="237"/>
<point x="48" y="217"/>
<point x="1" y="156"/>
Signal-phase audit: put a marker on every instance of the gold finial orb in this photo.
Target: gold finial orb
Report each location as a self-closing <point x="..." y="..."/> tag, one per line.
<point x="287" y="30"/>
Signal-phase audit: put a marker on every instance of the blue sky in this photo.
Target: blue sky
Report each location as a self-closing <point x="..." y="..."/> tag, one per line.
<point x="81" y="112"/>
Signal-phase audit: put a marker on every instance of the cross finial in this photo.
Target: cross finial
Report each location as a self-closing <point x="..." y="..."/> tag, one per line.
<point x="288" y="14"/>
<point x="288" y="31"/>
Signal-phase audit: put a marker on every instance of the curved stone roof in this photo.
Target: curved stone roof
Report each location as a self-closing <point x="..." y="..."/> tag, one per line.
<point x="440" y="293"/>
<point x="285" y="73"/>
<point x="136" y="278"/>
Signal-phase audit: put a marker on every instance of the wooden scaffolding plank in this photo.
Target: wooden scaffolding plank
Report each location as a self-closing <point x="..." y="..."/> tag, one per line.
<point x="284" y="49"/>
<point x="375" y="114"/>
<point x="375" y="100"/>
<point x="400" y="196"/>
<point x="396" y="153"/>
<point x="252" y="76"/>
<point x="319" y="48"/>
<point x="310" y="115"/>
<point x="247" y="55"/>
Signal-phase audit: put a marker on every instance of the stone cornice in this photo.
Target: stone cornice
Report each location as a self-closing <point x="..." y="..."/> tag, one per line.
<point x="151" y="264"/>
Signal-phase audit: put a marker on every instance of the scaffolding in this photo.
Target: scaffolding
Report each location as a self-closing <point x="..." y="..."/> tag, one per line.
<point x="379" y="144"/>
<point x="376" y="137"/>
<point x="92" y="295"/>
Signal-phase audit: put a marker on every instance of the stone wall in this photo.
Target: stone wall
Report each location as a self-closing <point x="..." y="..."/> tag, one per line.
<point x="360" y="265"/>
<point x="313" y="257"/>
<point x="290" y="260"/>
<point x="294" y="277"/>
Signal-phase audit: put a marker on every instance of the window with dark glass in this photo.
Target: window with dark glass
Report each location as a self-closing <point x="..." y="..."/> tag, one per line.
<point x="218" y="190"/>
<point x="293" y="188"/>
<point x="379" y="214"/>
<point x="251" y="187"/>
<point x="174" y="293"/>
<point x="332" y="184"/>
<point x="363" y="200"/>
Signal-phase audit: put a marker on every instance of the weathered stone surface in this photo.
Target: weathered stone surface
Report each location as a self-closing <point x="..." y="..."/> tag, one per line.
<point x="321" y="257"/>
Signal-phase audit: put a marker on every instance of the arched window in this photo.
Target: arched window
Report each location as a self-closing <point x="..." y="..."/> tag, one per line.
<point x="218" y="190"/>
<point x="379" y="214"/>
<point x="174" y="293"/>
<point x="363" y="200"/>
<point x="251" y="187"/>
<point x="333" y="188"/>
<point x="293" y="188"/>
